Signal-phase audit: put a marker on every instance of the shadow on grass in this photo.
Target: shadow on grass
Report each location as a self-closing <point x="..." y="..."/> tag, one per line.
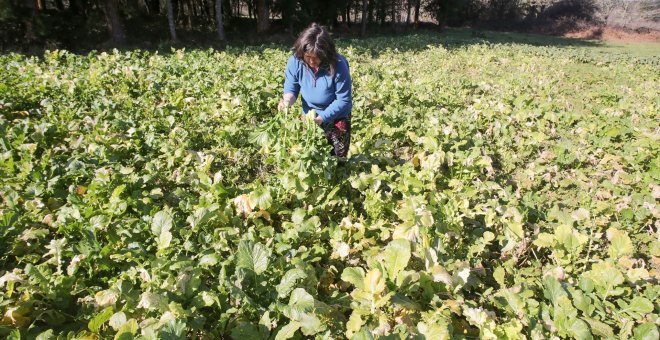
<point x="456" y="38"/>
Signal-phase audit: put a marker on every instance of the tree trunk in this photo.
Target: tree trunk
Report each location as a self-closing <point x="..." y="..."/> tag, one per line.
<point x="345" y="14"/>
<point x="30" y="23"/>
<point x="76" y="7"/>
<point x="288" y="14"/>
<point x="177" y="10"/>
<point x="417" y="5"/>
<point x="263" y="22"/>
<point x="170" y="20"/>
<point x="154" y="7"/>
<point x="409" y="3"/>
<point x="188" y="7"/>
<point x="114" y="22"/>
<point x="208" y="11"/>
<point x="393" y="13"/>
<point x="218" y="20"/>
<point x="370" y="11"/>
<point x="382" y="12"/>
<point x="226" y="12"/>
<point x="365" y="17"/>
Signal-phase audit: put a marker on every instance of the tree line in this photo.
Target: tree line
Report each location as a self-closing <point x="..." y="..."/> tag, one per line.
<point x="223" y="16"/>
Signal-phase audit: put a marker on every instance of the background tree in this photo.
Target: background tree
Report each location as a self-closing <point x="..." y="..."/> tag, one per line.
<point x="170" y="20"/>
<point x="114" y="21"/>
<point x="287" y="9"/>
<point x="365" y="17"/>
<point x="263" y="20"/>
<point x="71" y="23"/>
<point x="218" y="20"/>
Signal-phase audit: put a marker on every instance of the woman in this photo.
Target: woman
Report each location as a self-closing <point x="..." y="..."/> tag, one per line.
<point x="321" y="76"/>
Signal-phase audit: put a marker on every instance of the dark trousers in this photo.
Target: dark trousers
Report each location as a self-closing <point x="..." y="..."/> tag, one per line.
<point x="338" y="134"/>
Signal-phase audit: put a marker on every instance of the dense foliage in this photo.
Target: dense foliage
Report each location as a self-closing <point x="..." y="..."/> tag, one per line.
<point x="86" y="24"/>
<point x="493" y="190"/>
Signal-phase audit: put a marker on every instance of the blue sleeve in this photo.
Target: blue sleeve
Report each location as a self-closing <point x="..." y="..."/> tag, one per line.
<point x="291" y="81"/>
<point x="343" y="103"/>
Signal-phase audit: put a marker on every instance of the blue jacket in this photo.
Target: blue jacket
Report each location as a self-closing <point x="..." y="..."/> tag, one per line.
<point x="330" y="96"/>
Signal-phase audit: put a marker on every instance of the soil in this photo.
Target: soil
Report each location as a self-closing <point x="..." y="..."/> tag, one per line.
<point x="615" y="34"/>
<point x="578" y="28"/>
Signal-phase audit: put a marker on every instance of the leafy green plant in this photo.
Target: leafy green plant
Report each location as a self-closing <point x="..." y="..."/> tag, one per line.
<point x="492" y="191"/>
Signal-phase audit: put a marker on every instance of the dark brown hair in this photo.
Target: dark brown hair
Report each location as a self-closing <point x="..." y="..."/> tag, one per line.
<point x="315" y="39"/>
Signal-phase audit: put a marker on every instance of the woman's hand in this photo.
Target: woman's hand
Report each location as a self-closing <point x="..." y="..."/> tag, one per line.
<point x="282" y="105"/>
<point x="318" y="120"/>
<point x="287" y="101"/>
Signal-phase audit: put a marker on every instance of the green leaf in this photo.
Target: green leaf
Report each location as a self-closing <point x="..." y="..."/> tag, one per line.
<point x="640" y="305"/>
<point x="265" y="322"/>
<point x="509" y="330"/>
<point x="301" y="309"/>
<point x="354" y="275"/>
<point x="579" y="329"/>
<point x="570" y="239"/>
<point x="117" y="320"/>
<point x="311" y="224"/>
<point x="553" y="289"/>
<point x="513" y="300"/>
<point x="99" y="319"/>
<point x="432" y="331"/>
<point x="173" y="330"/>
<point x="14" y="335"/>
<point x="209" y="260"/>
<point x="363" y="334"/>
<point x="288" y="331"/>
<point x="149" y="300"/>
<point x="545" y="240"/>
<point x="261" y="198"/>
<point x="513" y="225"/>
<point x="164" y="240"/>
<point x="599" y="328"/>
<point x="426" y="218"/>
<point x="580" y="300"/>
<point x="374" y="282"/>
<point x="259" y="137"/>
<point x="499" y="275"/>
<point x="300" y="302"/>
<point x="354" y="323"/>
<point x="107" y="297"/>
<point x="606" y="277"/>
<point x="298" y="216"/>
<point x="201" y="216"/>
<point x="310" y="324"/>
<point x="208" y="298"/>
<point x="161" y="222"/>
<point x="127" y="330"/>
<point x="646" y="331"/>
<point x="45" y="335"/>
<point x="396" y="257"/>
<point x="564" y="315"/>
<point x="253" y="256"/>
<point x="246" y="330"/>
<point x="288" y="281"/>
<point x="620" y="243"/>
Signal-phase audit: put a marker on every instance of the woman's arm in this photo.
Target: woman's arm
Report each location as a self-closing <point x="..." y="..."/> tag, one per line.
<point x="343" y="102"/>
<point x="291" y="83"/>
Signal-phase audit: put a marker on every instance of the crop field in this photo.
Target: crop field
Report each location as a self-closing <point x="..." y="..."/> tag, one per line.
<point x="498" y="186"/>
